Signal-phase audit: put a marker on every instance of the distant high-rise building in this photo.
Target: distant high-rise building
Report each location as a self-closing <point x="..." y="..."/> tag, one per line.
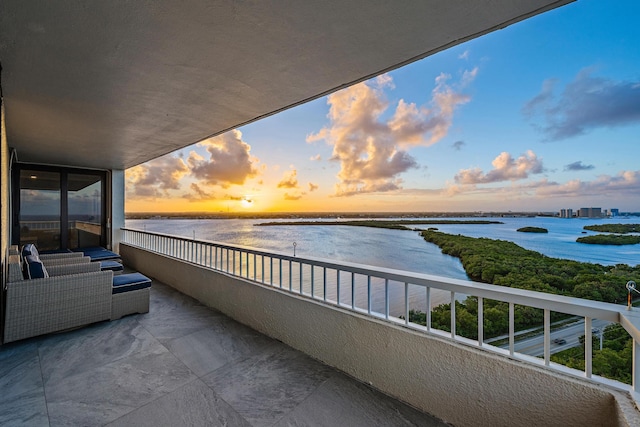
<point x="590" y="213"/>
<point x="566" y="213"/>
<point x="615" y="212"/>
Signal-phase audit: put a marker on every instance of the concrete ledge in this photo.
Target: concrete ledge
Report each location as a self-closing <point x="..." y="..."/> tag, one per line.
<point x="459" y="384"/>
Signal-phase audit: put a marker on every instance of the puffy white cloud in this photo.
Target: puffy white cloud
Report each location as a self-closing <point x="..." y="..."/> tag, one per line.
<point x="586" y="103"/>
<point x="505" y="168"/>
<point x="230" y="161"/>
<point x="372" y="152"/>
<point x="156" y="177"/>
<point x="316" y="158"/>
<point x="289" y="180"/>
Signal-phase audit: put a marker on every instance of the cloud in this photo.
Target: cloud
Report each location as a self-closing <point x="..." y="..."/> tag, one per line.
<point x="578" y="166"/>
<point x="289" y="180"/>
<point x="312" y="187"/>
<point x="316" y="158"/>
<point x="197" y="194"/>
<point x="294" y="196"/>
<point x="505" y="168"/>
<point x="230" y="161"/>
<point x="372" y="152"/>
<point x="626" y="184"/>
<point x="585" y="104"/>
<point x="156" y="177"/>
<point x="464" y="55"/>
<point x="458" y="145"/>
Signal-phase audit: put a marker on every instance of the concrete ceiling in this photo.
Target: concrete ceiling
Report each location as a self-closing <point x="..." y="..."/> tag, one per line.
<point x="111" y="84"/>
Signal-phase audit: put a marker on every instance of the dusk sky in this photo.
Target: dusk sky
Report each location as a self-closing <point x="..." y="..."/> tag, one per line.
<point x="540" y="116"/>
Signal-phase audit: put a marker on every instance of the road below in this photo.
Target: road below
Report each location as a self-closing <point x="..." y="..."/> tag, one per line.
<point x="534" y="345"/>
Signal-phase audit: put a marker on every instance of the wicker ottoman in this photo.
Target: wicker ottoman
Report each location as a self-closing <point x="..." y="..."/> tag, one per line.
<point x="130" y="294"/>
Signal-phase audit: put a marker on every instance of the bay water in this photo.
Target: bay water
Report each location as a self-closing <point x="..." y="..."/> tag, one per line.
<point x="400" y="249"/>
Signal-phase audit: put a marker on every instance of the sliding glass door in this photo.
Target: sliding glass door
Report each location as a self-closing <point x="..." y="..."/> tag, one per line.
<point x="59" y="208"/>
<point x="40" y="211"/>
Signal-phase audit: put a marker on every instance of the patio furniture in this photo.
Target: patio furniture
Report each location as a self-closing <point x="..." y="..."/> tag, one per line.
<point x="130" y="295"/>
<point x="97" y="253"/>
<point x="49" y="304"/>
<point x="43" y="298"/>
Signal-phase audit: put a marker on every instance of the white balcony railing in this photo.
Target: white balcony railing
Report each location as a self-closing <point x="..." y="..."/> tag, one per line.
<point x="389" y="294"/>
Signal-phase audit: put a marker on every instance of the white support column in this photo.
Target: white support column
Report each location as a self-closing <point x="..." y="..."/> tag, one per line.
<point x="116" y="208"/>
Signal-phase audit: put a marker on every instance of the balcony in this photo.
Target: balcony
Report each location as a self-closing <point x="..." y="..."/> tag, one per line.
<point x="181" y="364"/>
<point x="329" y="311"/>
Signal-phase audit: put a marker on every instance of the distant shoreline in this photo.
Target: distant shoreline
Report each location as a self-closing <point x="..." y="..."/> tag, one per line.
<point x="393" y="224"/>
<point x="332" y="215"/>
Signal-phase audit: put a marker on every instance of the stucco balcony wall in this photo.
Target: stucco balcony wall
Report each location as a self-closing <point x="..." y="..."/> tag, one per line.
<point x="456" y="383"/>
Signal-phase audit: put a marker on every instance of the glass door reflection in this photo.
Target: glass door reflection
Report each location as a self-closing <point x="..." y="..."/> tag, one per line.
<point x="40" y="209"/>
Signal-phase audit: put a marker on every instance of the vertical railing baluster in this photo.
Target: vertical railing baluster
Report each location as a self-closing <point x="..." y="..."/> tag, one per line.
<point x="547" y="336"/>
<point x="369" y="294"/>
<point x="324" y="283"/>
<point x="428" y="316"/>
<point x="406" y="303"/>
<point x="588" y="347"/>
<point x="300" y="264"/>
<point x="480" y="321"/>
<point x="453" y="314"/>
<point x="353" y="290"/>
<point x="313" y="294"/>
<point x="386" y="298"/>
<point x="635" y="367"/>
<point x="337" y="287"/>
<point x="290" y="277"/>
<point x="262" y="265"/>
<point x="512" y="328"/>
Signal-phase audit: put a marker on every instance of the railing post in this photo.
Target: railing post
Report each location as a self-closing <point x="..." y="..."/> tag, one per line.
<point x="386" y="298"/>
<point x="480" y="321"/>
<point x="300" y="265"/>
<point x="512" y="328"/>
<point x="353" y="290"/>
<point x="337" y="287"/>
<point x="324" y="283"/>
<point x="406" y="303"/>
<point x="428" y="312"/>
<point x="635" y="372"/>
<point x="453" y="315"/>
<point x="547" y="336"/>
<point x="588" y="347"/>
<point x="313" y="294"/>
<point x="369" y="294"/>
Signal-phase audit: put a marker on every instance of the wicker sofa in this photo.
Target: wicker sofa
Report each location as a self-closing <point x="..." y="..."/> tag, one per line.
<point x="53" y="292"/>
<point x="74" y="295"/>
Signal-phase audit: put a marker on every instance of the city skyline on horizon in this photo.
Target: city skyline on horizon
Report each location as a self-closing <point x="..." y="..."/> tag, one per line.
<point x="540" y="116"/>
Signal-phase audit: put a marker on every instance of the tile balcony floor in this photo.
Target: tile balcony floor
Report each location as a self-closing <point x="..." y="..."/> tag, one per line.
<point x="182" y="364"/>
